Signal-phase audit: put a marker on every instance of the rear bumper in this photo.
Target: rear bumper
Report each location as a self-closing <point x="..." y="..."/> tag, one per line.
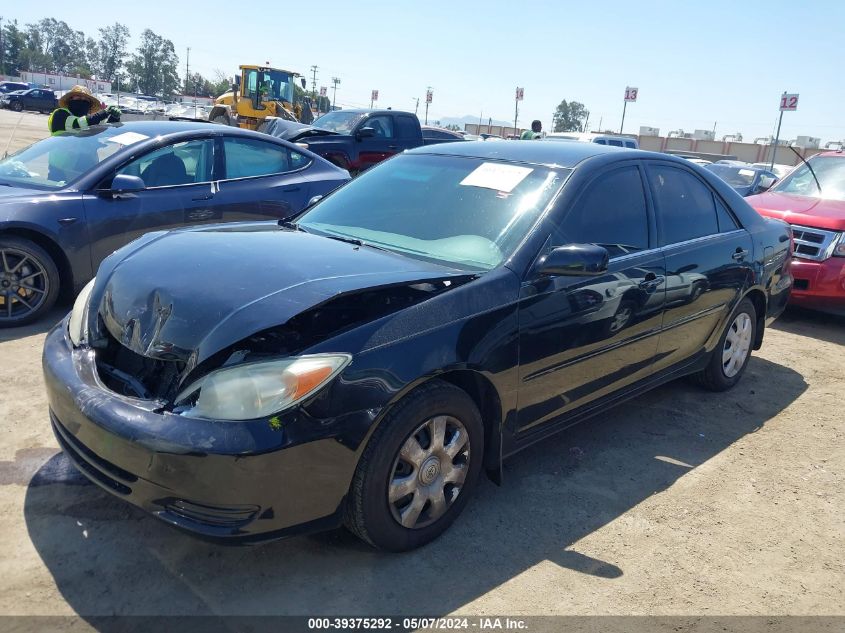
<point x="241" y="481"/>
<point x="819" y="284"/>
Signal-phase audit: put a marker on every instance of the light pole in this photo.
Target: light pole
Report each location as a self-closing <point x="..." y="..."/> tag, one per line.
<point x="335" y="82"/>
<point x="428" y="97"/>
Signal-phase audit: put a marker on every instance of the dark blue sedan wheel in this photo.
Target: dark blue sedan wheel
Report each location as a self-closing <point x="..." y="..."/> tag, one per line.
<point x="29" y="281"/>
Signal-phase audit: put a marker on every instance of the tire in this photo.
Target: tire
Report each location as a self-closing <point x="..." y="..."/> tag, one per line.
<point x="431" y="503"/>
<point x="730" y="358"/>
<point x="17" y="106"/>
<point x="22" y="261"/>
<point x="221" y="119"/>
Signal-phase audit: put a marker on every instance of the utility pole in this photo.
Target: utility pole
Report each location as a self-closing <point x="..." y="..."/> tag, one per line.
<point x="428" y="97"/>
<point x="187" y="67"/>
<point x="335" y="82"/>
<point x="314" y="82"/>
<point x="417" y="107"/>
<point x="777" y="137"/>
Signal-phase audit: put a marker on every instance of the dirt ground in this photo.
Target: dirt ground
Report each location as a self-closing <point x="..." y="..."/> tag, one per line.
<point x="681" y="502"/>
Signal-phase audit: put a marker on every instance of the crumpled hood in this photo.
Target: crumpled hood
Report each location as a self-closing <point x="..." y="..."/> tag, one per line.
<point x="291" y="130"/>
<point x="801" y="210"/>
<point x="188" y="294"/>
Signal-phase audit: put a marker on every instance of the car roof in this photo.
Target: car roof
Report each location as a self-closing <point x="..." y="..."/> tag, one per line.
<point x="370" y="111"/>
<point x="560" y="154"/>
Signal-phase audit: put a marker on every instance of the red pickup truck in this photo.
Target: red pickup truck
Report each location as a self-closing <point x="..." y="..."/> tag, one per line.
<point x="812" y="199"/>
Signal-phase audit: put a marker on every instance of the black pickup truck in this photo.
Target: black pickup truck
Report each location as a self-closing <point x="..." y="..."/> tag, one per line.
<point x="355" y="139"/>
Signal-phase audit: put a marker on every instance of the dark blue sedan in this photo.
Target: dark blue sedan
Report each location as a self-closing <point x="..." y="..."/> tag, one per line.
<point x="70" y="200"/>
<point x="745" y="179"/>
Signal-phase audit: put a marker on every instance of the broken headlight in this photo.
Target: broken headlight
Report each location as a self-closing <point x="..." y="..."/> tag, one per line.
<point x="256" y="390"/>
<point x="79" y="315"/>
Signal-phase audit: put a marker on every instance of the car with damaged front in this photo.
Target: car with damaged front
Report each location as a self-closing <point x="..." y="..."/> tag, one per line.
<point x="70" y="200"/>
<point x="363" y="363"/>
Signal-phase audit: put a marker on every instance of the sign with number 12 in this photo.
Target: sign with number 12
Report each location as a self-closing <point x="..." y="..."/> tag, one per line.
<point x="788" y="102"/>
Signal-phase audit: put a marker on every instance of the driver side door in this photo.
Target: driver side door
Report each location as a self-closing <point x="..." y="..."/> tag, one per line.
<point x="179" y="191"/>
<point x="374" y="149"/>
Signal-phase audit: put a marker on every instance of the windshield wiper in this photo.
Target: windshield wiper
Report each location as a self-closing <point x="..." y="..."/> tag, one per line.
<point x="354" y="240"/>
<point x="289" y="224"/>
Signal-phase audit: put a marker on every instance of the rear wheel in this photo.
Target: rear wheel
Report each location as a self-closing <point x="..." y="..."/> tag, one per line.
<point x="418" y="469"/>
<point x="730" y="358"/>
<point x="29" y="282"/>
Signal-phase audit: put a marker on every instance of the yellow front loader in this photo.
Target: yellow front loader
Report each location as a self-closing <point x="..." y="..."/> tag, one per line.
<point x="260" y="92"/>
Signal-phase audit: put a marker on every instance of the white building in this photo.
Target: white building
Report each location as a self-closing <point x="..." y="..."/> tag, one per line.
<point x="60" y="83"/>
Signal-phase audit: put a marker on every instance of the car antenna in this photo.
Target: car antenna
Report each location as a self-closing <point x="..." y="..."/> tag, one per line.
<point x="810" y="167"/>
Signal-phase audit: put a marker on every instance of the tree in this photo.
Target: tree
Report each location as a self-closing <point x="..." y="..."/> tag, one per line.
<point x="570" y="117"/>
<point x="111" y="51"/>
<point x="14" y="42"/>
<point x="222" y="83"/>
<point x="152" y="69"/>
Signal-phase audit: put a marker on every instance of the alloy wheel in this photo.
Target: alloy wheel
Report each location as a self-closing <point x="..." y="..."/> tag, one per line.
<point x="737" y="345"/>
<point x="24" y="284"/>
<point x="429" y="472"/>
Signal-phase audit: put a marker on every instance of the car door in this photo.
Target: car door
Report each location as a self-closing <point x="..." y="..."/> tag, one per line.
<point x="29" y="101"/>
<point x="708" y="260"/>
<point x="584" y="337"/>
<point x="179" y="191"/>
<point x="260" y="180"/>
<point x="382" y="145"/>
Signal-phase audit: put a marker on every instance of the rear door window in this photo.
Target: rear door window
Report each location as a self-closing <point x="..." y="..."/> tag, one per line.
<point x="248" y="158"/>
<point x="686" y="209"/>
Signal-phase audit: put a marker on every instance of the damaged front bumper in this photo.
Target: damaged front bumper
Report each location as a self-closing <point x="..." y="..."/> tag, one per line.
<point x="245" y="481"/>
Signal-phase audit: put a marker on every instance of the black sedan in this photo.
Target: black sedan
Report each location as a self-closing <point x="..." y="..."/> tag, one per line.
<point x="40" y="99"/>
<point x="70" y="200"/>
<point x="745" y="179"/>
<point x="364" y="363"/>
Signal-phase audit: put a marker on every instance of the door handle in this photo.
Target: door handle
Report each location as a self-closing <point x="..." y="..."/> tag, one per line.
<point x="290" y="189"/>
<point x="740" y="254"/>
<point x="207" y="196"/>
<point x="392" y="147"/>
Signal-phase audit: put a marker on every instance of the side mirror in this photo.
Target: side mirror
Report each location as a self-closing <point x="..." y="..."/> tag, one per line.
<point x="365" y="132"/>
<point x="124" y="184"/>
<point x="575" y="260"/>
<point x="766" y="183"/>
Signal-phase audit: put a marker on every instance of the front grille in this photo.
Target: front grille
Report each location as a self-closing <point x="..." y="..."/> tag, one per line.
<point x="811" y="243"/>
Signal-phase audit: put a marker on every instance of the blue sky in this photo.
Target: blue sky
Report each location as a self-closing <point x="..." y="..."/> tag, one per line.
<point x="695" y="63"/>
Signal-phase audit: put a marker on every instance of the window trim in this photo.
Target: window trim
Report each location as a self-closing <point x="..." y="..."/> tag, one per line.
<point x="223" y="139"/>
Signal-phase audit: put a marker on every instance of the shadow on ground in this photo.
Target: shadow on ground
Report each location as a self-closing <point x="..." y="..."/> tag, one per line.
<point x="811" y="323"/>
<point x="39" y="327"/>
<point x="108" y="558"/>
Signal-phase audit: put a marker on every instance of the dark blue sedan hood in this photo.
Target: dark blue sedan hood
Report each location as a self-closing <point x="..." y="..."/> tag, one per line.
<point x="188" y="294"/>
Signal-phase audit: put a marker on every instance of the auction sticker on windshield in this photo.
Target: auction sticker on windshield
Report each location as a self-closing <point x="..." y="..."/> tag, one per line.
<point x="746" y="172"/>
<point x="128" y="138"/>
<point x="497" y="176"/>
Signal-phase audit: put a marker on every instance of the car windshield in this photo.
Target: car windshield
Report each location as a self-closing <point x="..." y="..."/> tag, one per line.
<point x="340" y="122"/>
<point x="465" y="212"/>
<point x="59" y="160"/>
<point x="734" y="176"/>
<point x="830" y="170"/>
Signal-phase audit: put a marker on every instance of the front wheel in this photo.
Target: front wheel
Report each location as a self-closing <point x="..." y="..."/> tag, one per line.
<point x="29" y="282"/>
<point x="418" y="469"/>
<point x="730" y="358"/>
<point x="17" y="106"/>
